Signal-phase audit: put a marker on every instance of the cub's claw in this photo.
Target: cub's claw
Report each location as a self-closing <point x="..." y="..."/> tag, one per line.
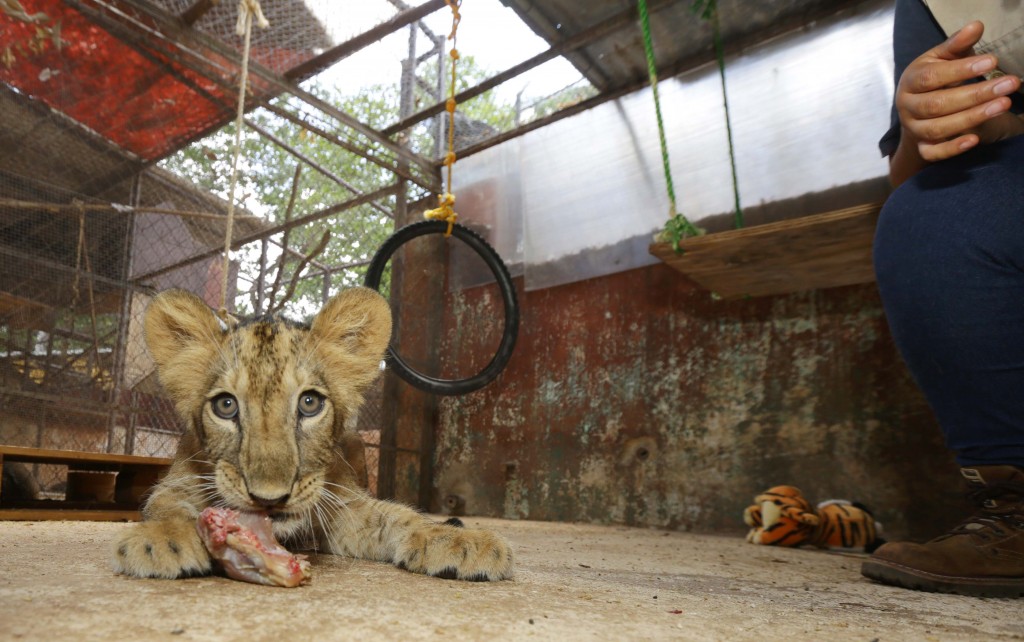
<point x="168" y="549"/>
<point x="456" y="553"/>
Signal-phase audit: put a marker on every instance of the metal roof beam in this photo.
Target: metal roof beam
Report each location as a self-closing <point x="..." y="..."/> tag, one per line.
<point x="591" y="34"/>
<point x="670" y="70"/>
<point x="336" y="54"/>
<point x="198" y="9"/>
<point x="171" y="30"/>
<point x="402" y="6"/>
<point x="238" y="242"/>
<point x="316" y="166"/>
<point x="183" y="56"/>
<point x="398" y="169"/>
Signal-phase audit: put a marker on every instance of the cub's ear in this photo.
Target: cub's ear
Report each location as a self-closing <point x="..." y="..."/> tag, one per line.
<point x="351" y="333"/>
<point x="179" y="328"/>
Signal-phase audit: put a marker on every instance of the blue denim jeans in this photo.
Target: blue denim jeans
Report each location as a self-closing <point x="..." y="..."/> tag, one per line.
<point x="949" y="257"/>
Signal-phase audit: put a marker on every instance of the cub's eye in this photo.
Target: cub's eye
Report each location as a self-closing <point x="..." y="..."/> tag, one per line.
<point x="224" y="406"/>
<point x="311" y="403"/>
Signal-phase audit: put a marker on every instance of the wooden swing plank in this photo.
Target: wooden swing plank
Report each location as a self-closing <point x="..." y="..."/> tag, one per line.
<point x="812" y="252"/>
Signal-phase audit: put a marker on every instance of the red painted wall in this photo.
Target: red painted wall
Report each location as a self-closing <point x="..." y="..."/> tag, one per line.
<point x="637" y="399"/>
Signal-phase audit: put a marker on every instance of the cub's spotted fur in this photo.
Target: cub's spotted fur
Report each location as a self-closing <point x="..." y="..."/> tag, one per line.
<point x="265" y="405"/>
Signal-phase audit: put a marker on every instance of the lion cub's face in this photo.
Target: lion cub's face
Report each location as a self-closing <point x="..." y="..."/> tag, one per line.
<point x="267" y="399"/>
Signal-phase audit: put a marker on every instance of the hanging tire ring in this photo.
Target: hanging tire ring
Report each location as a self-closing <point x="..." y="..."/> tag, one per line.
<point x="508" y="294"/>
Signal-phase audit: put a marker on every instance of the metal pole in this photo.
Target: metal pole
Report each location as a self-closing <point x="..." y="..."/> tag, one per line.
<point x="121" y="341"/>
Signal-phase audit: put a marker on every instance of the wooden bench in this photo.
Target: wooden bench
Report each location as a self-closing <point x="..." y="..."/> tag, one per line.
<point x="101" y="487"/>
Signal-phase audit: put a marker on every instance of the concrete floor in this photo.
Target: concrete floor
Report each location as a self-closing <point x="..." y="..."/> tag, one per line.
<point x="573" y="582"/>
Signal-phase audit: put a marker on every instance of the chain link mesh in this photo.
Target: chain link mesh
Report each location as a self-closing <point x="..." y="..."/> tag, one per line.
<point x="92" y="95"/>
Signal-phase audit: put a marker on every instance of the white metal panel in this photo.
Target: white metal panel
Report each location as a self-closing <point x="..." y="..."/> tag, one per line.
<point x="807" y="112"/>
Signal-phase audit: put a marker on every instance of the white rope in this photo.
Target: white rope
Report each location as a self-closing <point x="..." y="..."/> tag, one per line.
<point x="247" y="11"/>
<point x="14" y="9"/>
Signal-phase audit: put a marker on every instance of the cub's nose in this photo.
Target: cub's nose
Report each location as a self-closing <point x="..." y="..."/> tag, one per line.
<point x="271" y="502"/>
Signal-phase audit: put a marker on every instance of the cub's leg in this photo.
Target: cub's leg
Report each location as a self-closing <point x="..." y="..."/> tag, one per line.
<point x="167" y="543"/>
<point x="168" y="548"/>
<point x="368" y="528"/>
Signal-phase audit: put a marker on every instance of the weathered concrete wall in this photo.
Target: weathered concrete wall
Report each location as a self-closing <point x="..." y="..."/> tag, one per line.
<point x="637" y="399"/>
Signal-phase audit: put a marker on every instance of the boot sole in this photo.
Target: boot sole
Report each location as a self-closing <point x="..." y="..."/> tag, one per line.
<point x="895" y="574"/>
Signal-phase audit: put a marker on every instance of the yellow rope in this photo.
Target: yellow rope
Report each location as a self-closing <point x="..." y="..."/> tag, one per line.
<point x="82" y="256"/>
<point x="446" y="201"/>
<point x="247" y="11"/>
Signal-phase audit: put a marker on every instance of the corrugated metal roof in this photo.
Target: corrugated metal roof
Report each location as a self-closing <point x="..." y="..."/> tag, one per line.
<point x="682" y="39"/>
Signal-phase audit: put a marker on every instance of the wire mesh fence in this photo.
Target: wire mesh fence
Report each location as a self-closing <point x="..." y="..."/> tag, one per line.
<point x="114" y="185"/>
<point x="75" y="280"/>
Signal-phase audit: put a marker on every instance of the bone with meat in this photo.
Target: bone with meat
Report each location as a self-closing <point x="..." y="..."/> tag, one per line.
<point x="244" y="544"/>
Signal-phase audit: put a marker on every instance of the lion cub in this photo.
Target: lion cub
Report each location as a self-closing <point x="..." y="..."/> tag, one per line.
<point x="265" y="406"/>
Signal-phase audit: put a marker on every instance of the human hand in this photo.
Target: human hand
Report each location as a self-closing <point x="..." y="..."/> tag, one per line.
<point x="940" y="114"/>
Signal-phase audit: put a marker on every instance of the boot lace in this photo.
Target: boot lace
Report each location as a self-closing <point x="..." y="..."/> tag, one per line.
<point x="1001" y="510"/>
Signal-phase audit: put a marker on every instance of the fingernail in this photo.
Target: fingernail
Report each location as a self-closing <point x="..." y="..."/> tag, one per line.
<point x="1004" y="86"/>
<point x="983" y="65"/>
<point x="995" y="108"/>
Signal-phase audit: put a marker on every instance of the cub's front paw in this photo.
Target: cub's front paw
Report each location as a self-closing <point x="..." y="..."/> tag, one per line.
<point x="163" y="548"/>
<point x="454" y="553"/>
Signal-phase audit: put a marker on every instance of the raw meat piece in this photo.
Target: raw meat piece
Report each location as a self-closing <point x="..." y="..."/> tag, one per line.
<point x="244" y="544"/>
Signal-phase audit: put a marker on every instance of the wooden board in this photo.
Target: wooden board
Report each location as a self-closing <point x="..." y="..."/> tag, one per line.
<point x="87" y="460"/>
<point x="134" y="477"/>
<point x="807" y="253"/>
<point x="56" y="514"/>
<point x="19" y="312"/>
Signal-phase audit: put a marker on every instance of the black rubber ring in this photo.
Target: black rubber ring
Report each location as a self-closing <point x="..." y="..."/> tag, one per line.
<point x="508" y="295"/>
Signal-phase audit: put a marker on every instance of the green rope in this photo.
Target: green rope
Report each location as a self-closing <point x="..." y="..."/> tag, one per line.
<point x="708" y="10"/>
<point x="720" y="55"/>
<point x="678" y="227"/>
<point x="652" y="70"/>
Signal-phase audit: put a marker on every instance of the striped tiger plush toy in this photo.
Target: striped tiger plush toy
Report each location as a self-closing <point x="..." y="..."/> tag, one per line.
<point x="781" y="516"/>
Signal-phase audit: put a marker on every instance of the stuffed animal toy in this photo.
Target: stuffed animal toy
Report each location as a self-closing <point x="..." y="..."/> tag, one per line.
<point x="781" y="516"/>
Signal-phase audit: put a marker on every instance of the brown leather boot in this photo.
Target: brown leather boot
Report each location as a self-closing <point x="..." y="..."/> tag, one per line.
<point x="982" y="557"/>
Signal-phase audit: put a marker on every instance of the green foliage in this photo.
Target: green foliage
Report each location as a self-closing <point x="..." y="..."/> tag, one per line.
<point x="485" y="108"/>
<point x="266" y="173"/>
<point x="265" y="182"/>
<point x="566" y="98"/>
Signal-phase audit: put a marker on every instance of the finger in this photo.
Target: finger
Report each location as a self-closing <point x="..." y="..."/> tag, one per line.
<point x="950" y="62"/>
<point x="925" y="75"/>
<point x="946" y="127"/>
<point x="960" y="43"/>
<point x="943" y="102"/>
<point x="934" y="152"/>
